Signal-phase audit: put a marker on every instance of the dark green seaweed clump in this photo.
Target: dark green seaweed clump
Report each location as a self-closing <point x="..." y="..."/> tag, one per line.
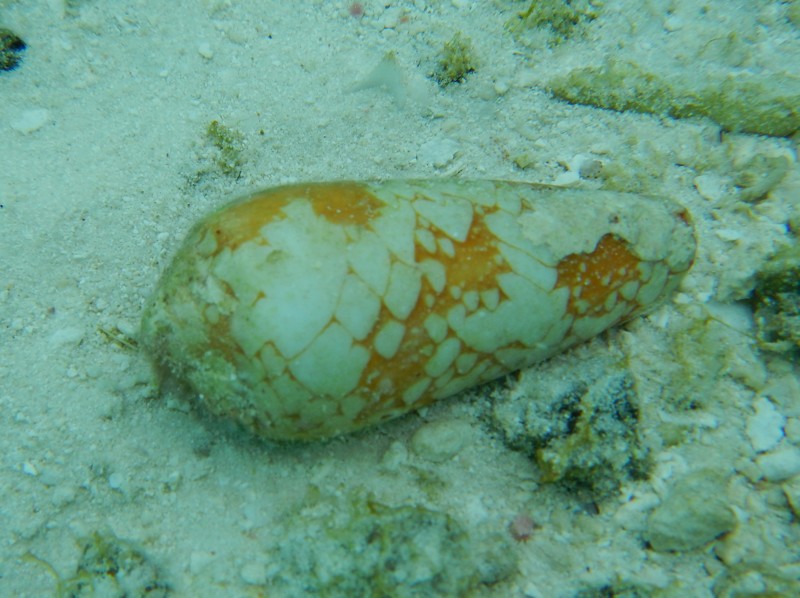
<point x="776" y="307"/>
<point x="581" y="429"/>
<point x="11" y="45"/>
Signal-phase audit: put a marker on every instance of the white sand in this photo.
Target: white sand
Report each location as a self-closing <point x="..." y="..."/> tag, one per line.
<point x="101" y="139"/>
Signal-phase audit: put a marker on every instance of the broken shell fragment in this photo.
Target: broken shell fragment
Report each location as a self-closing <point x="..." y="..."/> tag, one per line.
<point x="311" y="310"/>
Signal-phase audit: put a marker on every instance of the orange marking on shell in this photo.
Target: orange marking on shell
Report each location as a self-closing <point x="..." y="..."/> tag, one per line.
<point x="472" y="267"/>
<point x="242" y="222"/>
<point x="596" y="275"/>
<point x="340" y="203"/>
<point x="343" y="203"/>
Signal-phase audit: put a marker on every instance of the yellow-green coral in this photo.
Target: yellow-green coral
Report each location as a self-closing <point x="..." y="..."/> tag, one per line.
<point x="456" y="62"/>
<point x="562" y="16"/>
<point x="559" y="19"/>
<point x="230" y="144"/>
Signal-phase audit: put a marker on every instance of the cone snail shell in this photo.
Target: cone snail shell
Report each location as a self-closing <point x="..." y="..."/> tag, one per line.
<point x="311" y="310"/>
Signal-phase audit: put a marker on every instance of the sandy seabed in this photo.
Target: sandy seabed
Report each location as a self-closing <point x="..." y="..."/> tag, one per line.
<point x="106" y="160"/>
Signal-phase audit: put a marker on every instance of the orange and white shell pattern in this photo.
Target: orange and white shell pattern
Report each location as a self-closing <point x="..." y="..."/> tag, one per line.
<point x="316" y="309"/>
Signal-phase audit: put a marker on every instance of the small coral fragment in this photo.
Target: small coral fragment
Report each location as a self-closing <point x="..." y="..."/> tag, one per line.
<point x="230" y="144"/>
<point x="456" y="62"/>
<point x="561" y="16"/>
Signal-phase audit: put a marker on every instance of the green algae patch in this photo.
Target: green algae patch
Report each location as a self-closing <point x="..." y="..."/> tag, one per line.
<point x="221" y="154"/>
<point x="230" y="146"/>
<point x="457" y="60"/>
<point x="560" y="19"/>
<point x="775" y="302"/>
<point x="581" y="428"/>
<point x="765" y="104"/>
<point x="110" y="566"/>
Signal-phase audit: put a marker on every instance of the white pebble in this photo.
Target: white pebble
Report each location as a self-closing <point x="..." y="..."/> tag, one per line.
<point x="199" y="560"/>
<point x="254" y="574"/>
<point x="781" y="464"/>
<point x="116" y="481"/>
<point x="733" y="316"/>
<point x="204" y="49"/>
<point x="765" y="426"/>
<point x="590" y="168"/>
<point x="441" y="440"/>
<point x="792" y="430"/>
<point x="127" y="328"/>
<point x="438" y="152"/>
<point x="709" y="187"/>
<point x="31" y="120"/>
<point x="501" y="87"/>
<point x="694" y="512"/>
<point x="673" y="23"/>
<point x="785" y="391"/>
<point x="391" y="17"/>
<point x="395" y="456"/>
<point x="567" y="178"/>
<point x="71" y="335"/>
<point x="729" y="234"/>
<point x="63" y="495"/>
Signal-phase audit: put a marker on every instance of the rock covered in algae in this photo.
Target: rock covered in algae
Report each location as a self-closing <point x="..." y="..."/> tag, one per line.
<point x="357" y="547"/>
